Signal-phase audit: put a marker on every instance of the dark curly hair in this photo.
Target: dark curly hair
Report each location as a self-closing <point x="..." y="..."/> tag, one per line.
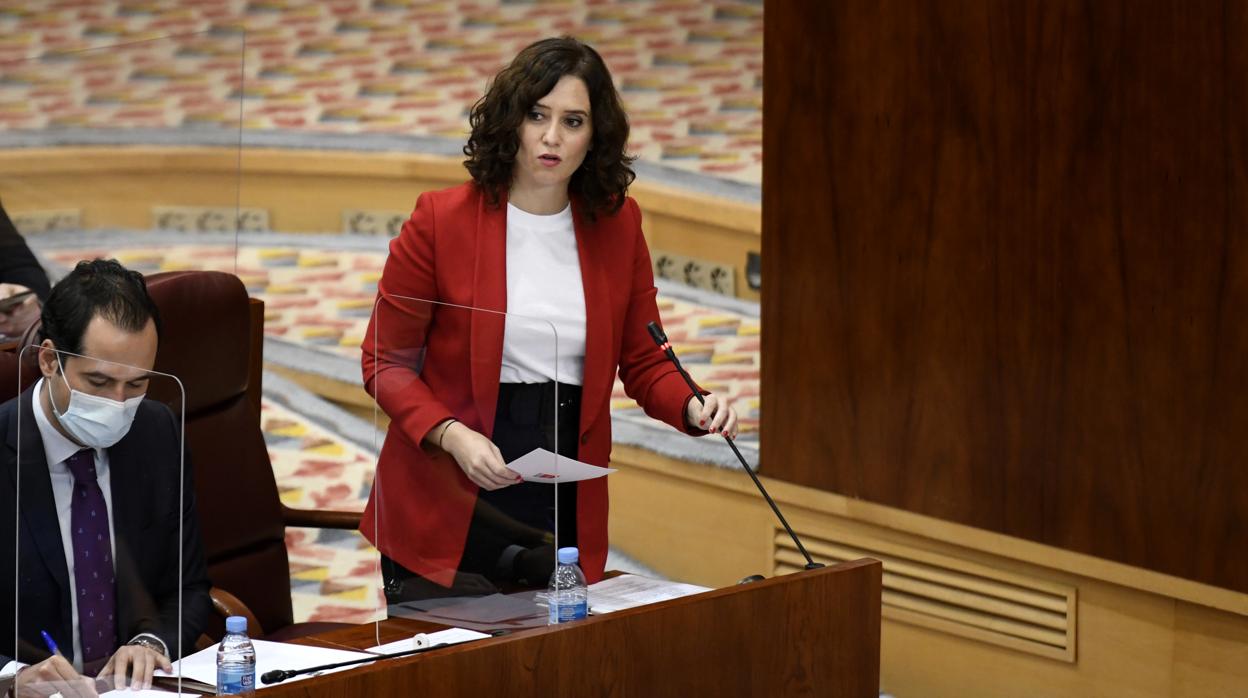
<point x="602" y="179"/>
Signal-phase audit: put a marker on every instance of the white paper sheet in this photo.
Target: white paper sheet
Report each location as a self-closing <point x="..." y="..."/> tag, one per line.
<point x="146" y="693"/>
<point x="630" y="590"/>
<point x="540" y="465"/>
<point x="202" y="666"/>
<point x="451" y="636"/>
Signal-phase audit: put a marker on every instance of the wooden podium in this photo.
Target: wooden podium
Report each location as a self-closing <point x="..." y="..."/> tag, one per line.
<point x="814" y="633"/>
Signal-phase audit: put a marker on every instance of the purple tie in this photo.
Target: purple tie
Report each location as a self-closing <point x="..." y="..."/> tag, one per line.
<point x="93" y="561"/>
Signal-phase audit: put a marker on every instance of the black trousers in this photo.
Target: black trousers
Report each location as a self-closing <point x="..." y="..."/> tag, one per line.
<point x="511" y="535"/>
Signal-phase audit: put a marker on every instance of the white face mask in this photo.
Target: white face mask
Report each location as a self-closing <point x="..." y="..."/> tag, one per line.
<point x="95" y="422"/>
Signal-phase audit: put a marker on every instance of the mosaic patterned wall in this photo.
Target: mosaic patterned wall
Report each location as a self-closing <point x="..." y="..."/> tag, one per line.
<point x="334" y="575"/>
<point x="690" y="70"/>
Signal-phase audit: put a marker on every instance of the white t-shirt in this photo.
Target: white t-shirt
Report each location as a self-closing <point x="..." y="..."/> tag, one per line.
<point x="544" y="338"/>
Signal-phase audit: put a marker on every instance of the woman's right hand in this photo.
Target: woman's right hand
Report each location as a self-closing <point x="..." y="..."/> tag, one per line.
<point x="478" y="457"/>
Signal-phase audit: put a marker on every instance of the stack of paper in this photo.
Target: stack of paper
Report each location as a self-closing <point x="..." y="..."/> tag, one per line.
<point x="201" y="667"/>
<point x="452" y="636"/>
<point x="144" y="693"/>
<point x="516" y="611"/>
<point x="630" y="591"/>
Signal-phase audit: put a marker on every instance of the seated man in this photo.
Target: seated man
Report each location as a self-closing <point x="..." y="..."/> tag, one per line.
<point x="91" y="442"/>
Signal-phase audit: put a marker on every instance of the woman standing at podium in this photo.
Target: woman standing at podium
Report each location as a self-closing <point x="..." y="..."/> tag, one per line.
<point x="544" y="229"/>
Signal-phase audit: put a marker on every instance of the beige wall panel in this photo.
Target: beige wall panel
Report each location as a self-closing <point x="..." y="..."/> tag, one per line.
<point x="1210" y="652"/>
<point x="707" y="525"/>
<point x="1125" y="650"/>
<point x="123" y="200"/>
<point x="307" y="191"/>
<point x="684" y="530"/>
<point x="713" y="230"/>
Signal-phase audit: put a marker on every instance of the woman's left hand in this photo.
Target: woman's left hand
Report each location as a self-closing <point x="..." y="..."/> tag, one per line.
<point x="716" y="415"/>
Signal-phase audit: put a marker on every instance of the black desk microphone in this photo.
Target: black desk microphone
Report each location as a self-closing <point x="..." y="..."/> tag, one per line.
<point x="269" y="678"/>
<point x="660" y="339"/>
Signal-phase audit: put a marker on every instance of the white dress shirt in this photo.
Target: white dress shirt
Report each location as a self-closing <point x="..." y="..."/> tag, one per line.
<point x="545" y="300"/>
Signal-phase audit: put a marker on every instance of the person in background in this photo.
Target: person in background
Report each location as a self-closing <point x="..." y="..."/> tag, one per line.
<point x="544" y="229"/>
<point x="104" y="587"/>
<point x="23" y="283"/>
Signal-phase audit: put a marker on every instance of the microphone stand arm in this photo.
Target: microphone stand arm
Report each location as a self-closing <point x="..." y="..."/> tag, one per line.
<point x="661" y="339"/>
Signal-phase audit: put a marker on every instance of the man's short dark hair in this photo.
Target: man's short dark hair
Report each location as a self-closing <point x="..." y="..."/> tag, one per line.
<point x="97" y="287"/>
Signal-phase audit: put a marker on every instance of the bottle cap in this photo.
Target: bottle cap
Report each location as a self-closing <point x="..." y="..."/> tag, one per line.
<point x="569" y="556"/>
<point x="236" y="624"/>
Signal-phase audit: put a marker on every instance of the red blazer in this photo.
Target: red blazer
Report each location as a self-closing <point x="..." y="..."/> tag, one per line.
<point x="424" y="363"/>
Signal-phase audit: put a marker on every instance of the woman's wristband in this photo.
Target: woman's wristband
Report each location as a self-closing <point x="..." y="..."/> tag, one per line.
<point x="441" y="436"/>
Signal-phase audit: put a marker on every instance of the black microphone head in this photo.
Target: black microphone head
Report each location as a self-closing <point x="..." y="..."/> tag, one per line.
<point x="657" y="333"/>
<point x="274" y="676"/>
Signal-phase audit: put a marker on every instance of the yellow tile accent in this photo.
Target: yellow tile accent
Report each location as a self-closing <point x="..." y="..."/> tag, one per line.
<point x="359" y="593"/>
<point x="316" y="574"/>
<point x="330" y="449"/>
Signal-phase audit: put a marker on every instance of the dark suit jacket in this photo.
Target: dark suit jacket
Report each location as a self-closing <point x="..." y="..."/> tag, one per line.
<point x="144" y="473"/>
<point x="17" y="263"/>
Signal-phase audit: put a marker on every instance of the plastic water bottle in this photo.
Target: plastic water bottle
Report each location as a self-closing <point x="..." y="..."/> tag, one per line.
<point x="568" y="595"/>
<point x="236" y="660"/>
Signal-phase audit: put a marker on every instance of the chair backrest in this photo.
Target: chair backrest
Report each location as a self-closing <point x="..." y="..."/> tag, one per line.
<point x="207" y="343"/>
<point x="14" y="378"/>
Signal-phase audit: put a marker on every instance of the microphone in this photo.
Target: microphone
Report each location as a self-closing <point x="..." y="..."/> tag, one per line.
<point x="660" y="339"/>
<point x="269" y="678"/>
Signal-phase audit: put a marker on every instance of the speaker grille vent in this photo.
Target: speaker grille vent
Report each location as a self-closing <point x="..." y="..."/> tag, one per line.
<point x="954" y="596"/>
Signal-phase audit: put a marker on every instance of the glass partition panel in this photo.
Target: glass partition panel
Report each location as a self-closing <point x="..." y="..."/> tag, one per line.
<point x="127" y="151"/>
<point x="106" y="568"/>
<point x="468" y="508"/>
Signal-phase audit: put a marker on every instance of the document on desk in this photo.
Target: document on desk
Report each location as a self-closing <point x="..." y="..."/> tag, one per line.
<point x="515" y="611"/>
<point x="631" y="590"/>
<point x="540" y="465"/>
<point x="450" y="636"/>
<point x="146" y="693"/>
<point x="202" y="666"/>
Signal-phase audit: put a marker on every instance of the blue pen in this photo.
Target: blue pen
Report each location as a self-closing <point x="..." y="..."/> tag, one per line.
<point x="47" y="640"/>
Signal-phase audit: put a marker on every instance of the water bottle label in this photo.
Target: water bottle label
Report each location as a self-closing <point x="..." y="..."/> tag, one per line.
<point x="562" y="613"/>
<point x="232" y="682"/>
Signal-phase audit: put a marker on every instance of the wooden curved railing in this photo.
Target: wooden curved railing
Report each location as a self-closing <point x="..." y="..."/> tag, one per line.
<point x="309" y="191"/>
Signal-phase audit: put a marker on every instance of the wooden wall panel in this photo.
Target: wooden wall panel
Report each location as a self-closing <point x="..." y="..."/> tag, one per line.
<point x="1006" y="268"/>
